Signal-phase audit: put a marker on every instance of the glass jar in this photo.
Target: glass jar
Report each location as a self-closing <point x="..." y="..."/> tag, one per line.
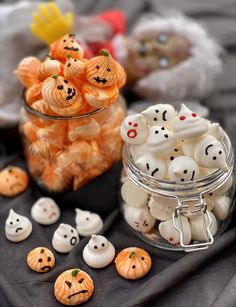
<point x="64" y="153"/>
<point x="178" y="216"/>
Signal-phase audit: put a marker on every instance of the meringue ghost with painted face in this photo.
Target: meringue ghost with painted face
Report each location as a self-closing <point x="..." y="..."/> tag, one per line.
<point x="17" y="227"/>
<point x="87" y="223"/>
<point x="133" y="130"/>
<point x="99" y="252"/>
<point x="45" y="211"/>
<point x="160" y="141"/>
<point x="139" y="219"/>
<point x="65" y="238"/>
<point x="188" y="125"/>
<point x="183" y="169"/>
<point x="160" y="115"/>
<point x="210" y="153"/>
<point x="151" y="166"/>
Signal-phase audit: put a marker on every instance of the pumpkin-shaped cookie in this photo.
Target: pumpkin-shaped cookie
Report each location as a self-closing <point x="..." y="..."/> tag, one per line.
<point x="133" y="263"/>
<point x="59" y="92"/>
<point x="66" y="45"/>
<point x="72" y="67"/>
<point x="48" y="67"/>
<point x="102" y="71"/>
<point x="41" y="260"/>
<point x="27" y="71"/>
<point x="33" y="93"/>
<point x="13" y="181"/>
<point x="73" y="287"/>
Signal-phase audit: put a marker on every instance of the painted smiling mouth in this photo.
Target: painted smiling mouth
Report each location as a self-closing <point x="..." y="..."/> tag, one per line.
<point x="82" y="291"/>
<point x="71" y="93"/>
<point x="98" y="80"/>
<point x="18" y="229"/>
<point x="71" y="48"/>
<point x="46" y="267"/>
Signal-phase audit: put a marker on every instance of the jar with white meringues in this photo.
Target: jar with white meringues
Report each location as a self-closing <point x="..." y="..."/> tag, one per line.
<point x="178" y="178"/>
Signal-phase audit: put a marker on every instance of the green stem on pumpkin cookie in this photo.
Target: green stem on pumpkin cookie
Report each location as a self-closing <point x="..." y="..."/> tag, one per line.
<point x="55" y="76"/>
<point x="104" y="52"/>
<point x="71" y="35"/>
<point x="42" y="251"/>
<point x="75" y="272"/>
<point x="68" y="56"/>
<point x="132" y="254"/>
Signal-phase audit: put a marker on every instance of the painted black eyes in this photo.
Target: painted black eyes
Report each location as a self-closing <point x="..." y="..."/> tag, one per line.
<point x="66" y="81"/>
<point x="156" y="132"/>
<point x="176" y="150"/>
<point x="133" y="266"/>
<point x="72" y="230"/>
<point x="87" y="218"/>
<point x="97" y="67"/>
<point x="182" y="179"/>
<point x="157" y="111"/>
<point x="65" y="236"/>
<point x="172" y="158"/>
<point x="163" y="38"/>
<point x="166" y="136"/>
<point x="80" y="281"/>
<point x="49" y="259"/>
<point x="108" y="69"/>
<point x="185" y="171"/>
<point x="68" y="283"/>
<point x="60" y="87"/>
<point x="162" y="128"/>
<point x="220" y="152"/>
<point x="64" y="40"/>
<point x="95" y="247"/>
<point x="103" y="244"/>
<point x="214" y="158"/>
<point x="17" y="220"/>
<point x="155" y="119"/>
<point x="40" y="260"/>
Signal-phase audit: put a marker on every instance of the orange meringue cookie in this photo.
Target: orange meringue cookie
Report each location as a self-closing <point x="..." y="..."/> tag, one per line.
<point x="41" y="259"/>
<point x="29" y="130"/>
<point x="48" y="67"/>
<point x="66" y="45"/>
<point x="72" y="67"/>
<point x="100" y="97"/>
<point x="59" y="92"/>
<point x="33" y="93"/>
<point x="71" y="110"/>
<point x="27" y="71"/>
<point x="86" y="129"/>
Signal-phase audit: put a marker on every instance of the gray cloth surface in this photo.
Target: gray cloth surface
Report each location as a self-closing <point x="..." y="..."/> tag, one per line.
<point x="200" y="279"/>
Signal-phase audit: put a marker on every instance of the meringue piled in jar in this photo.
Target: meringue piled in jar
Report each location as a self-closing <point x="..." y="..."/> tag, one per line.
<point x="71" y="116"/>
<point x="177" y="182"/>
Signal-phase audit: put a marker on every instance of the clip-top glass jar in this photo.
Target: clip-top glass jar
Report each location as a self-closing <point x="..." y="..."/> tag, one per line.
<point x="66" y="152"/>
<point x="178" y="216"/>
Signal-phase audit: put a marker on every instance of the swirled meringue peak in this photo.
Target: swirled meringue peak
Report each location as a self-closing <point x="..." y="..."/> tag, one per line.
<point x="188" y="125"/>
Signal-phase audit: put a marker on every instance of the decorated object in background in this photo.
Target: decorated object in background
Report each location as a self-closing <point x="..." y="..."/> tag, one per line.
<point x="70" y="134"/>
<point x="17" y="227"/>
<point x="87" y="223"/>
<point x="65" y="238"/>
<point x="73" y="287"/>
<point x="13" y="181"/>
<point x="41" y="260"/>
<point x="45" y="211"/>
<point x="99" y="252"/>
<point x="133" y="263"/>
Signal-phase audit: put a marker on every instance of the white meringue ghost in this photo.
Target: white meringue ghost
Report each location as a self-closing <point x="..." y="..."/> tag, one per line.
<point x="197" y="225"/>
<point x="65" y="238"/>
<point x="162" y="208"/>
<point x="188" y="125"/>
<point x="183" y="169"/>
<point x="216" y="130"/>
<point x="210" y="153"/>
<point x="17" y="227"/>
<point x="138" y="150"/>
<point x="151" y="166"/>
<point x="222" y="207"/>
<point x="133" y="195"/>
<point x="139" y="219"/>
<point x="99" y="252"/>
<point x="160" y="141"/>
<point x="87" y="223"/>
<point x="172" y="235"/>
<point x="160" y="115"/>
<point x="133" y="130"/>
<point x="45" y="211"/>
<point x="172" y="155"/>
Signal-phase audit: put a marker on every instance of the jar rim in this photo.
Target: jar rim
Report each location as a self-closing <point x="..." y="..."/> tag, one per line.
<point x="52" y="117"/>
<point x="172" y="188"/>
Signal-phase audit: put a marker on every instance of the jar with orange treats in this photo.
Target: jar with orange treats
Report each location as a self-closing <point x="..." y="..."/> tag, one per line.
<point x="71" y="114"/>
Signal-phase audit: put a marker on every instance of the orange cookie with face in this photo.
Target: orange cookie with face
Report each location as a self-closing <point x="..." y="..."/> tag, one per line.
<point x="133" y="263"/>
<point x="49" y="67"/>
<point x="13" y="181"/>
<point x="41" y="260"/>
<point x="73" y="287"/>
<point x="64" y="46"/>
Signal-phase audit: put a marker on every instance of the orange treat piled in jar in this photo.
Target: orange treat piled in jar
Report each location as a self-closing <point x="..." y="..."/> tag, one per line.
<point x="71" y="117"/>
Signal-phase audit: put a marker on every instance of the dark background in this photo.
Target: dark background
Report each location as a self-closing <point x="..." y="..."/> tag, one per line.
<point x="176" y="279"/>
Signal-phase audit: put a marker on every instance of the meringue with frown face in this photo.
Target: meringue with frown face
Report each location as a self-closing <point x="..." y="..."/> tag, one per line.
<point x="65" y="238"/>
<point x="45" y="211"/>
<point x="99" y="252"/>
<point x="88" y="223"/>
<point x="183" y="169"/>
<point x="17" y="227"/>
<point x="188" y="125"/>
<point x="162" y="115"/>
<point x="133" y="130"/>
<point x="151" y="166"/>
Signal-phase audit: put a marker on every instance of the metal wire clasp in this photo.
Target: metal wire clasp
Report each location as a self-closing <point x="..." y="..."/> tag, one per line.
<point x="183" y="207"/>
